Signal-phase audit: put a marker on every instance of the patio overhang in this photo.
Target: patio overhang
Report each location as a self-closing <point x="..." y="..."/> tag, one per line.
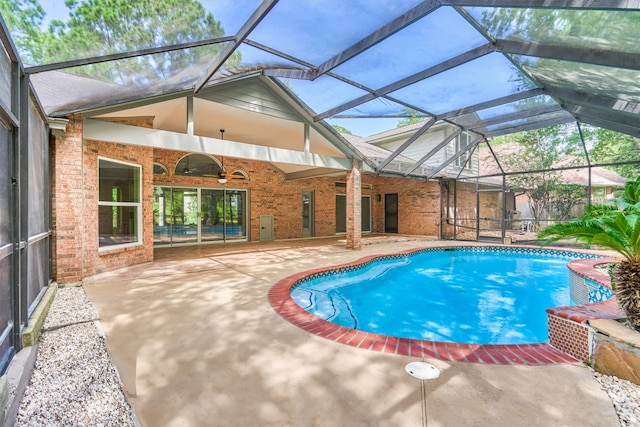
<point x="126" y="134"/>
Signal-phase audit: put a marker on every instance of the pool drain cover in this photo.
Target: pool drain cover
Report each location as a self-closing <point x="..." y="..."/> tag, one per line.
<point x="422" y="370"/>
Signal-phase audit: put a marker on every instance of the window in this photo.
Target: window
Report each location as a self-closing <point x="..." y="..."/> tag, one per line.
<point x="341" y="184"/>
<point x="159" y="169"/>
<point x="119" y="206"/>
<point x="198" y="165"/>
<point x="462" y="142"/>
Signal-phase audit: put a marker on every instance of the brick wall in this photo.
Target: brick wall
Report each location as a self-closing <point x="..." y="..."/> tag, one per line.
<point x="96" y="261"/>
<point x="418" y="205"/>
<point x="354" y="209"/>
<point x="67" y="204"/>
<point x="75" y="205"/>
<point x="269" y="194"/>
<point x="570" y="337"/>
<point x="76" y="201"/>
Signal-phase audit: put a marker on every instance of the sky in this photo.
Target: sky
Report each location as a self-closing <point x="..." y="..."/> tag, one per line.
<point x="55" y="9"/>
<point x="232" y="18"/>
<point x="365" y="127"/>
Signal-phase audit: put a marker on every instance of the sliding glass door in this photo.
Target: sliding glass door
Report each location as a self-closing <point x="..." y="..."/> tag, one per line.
<point x="198" y="215"/>
<point x="235" y="215"/>
<point x="212" y="215"/>
<point x="184" y="215"/>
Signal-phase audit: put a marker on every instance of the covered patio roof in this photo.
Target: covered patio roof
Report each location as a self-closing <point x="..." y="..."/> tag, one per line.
<point x="485" y="67"/>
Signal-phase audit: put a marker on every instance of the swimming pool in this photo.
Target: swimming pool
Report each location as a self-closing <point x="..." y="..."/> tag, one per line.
<point x="465" y="295"/>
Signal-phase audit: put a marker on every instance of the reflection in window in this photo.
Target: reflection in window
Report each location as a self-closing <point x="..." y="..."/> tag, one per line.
<point x="119" y="206"/>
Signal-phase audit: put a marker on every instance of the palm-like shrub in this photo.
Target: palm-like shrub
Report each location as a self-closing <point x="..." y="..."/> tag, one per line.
<point x="615" y="227"/>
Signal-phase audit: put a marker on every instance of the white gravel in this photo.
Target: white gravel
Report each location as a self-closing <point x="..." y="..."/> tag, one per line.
<point x="74" y="382"/>
<point x="625" y="396"/>
<point x="70" y="306"/>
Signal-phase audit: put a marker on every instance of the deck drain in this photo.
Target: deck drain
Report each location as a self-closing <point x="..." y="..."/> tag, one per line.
<point x="422" y="371"/>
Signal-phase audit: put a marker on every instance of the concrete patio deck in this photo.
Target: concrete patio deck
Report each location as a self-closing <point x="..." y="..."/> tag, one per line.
<point x="197" y="344"/>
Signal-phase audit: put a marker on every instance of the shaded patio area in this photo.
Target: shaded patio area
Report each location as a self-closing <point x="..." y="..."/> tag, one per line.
<point x="196" y="343"/>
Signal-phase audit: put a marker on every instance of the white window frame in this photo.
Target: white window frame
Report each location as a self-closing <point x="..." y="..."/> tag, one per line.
<point x="464" y="160"/>
<point x="138" y="205"/>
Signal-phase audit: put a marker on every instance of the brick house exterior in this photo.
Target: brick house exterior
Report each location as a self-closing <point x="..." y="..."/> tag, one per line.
<point x="75" y="207"/>
<point x="270" y="191"/>
<point x="76" y="253"/>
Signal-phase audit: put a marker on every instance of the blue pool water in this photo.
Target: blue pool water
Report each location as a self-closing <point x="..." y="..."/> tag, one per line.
<point x="465" y="296"/>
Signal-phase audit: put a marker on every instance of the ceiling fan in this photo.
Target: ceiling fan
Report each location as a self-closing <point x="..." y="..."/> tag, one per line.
<point x="234" y="175"/>
<point x="187" y="170"/>
<point x="222" y="175"/>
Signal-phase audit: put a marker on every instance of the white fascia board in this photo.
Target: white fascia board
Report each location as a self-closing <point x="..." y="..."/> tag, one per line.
<point x="57" y="126"/>
<point x="134" y="135"/>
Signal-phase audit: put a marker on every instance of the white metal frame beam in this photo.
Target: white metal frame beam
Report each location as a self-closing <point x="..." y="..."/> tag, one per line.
<point x="610" y="115"/>
<point x="516" y="116"/>
<point x="598" y="122"/>
<point x="530" y="126"/>
<point x="594" y="101"/>
<point x="491" y="103"/>
<point x="123" y="55"/>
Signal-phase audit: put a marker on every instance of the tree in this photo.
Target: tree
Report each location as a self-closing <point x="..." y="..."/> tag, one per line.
<point x="103" y="27"/>
<point x="612" y="147"/>
<point x="615" y="227"/>
<point x="564" y="197"/>
<point x="537" y="150"/>
<point x="560" y="26"/>
<point x="341" y="129"/>
<point x="23" y="19"/>
<point x="413" y="116"/>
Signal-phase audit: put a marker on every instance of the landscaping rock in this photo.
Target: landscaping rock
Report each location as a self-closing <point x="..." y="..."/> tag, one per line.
<point x="610" y="359"/>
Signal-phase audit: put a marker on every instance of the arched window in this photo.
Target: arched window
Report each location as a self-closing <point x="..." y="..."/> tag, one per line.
<point x="198" y="165"/>
<point x="159" y="169"/>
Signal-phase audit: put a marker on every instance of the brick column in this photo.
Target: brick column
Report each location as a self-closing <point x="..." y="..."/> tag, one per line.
<point x="68" y="220"/>
<point x="354" y="208"/>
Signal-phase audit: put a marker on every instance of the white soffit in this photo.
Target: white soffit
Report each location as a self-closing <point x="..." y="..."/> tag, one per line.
<point x="239" y="124"/>
<point x="124" y="134"/>
<point x="168" y="115"/>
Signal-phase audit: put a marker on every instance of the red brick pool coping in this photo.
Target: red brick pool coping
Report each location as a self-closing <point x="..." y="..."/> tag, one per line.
<point x="502" y="354"/>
